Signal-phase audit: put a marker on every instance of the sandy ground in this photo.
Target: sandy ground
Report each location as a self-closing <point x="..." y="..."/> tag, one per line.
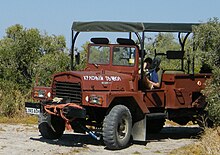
<point x="25" y="140"/>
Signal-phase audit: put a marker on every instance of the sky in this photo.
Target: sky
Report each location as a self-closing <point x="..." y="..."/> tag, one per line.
<point x="56" y="16"/>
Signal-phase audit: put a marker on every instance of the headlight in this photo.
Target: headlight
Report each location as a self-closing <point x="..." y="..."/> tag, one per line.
<point x="39" y="93"/>
<point x="93" y="99"/>
<point x="42" y="93"/>
<point x="49" y="94"/>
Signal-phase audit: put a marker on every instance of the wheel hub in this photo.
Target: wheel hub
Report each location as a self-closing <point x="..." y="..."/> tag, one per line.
<point x="122" y="128"/>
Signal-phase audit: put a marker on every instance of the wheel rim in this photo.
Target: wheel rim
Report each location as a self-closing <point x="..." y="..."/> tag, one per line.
<point x="122" y="129"/>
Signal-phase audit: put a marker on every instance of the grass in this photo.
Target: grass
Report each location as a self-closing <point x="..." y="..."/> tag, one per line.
<point x="188" y="150"/>
<point x="19" y="120"/>
<point x="136" y="153"/>
<point x="171" y="123"/>
<point x="74" y="151"/>
<point x="1" y="129"/>
<point x="209" y="144"/>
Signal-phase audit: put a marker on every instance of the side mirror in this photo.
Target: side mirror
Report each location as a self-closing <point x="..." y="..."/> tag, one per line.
<point x="77" y="58"/>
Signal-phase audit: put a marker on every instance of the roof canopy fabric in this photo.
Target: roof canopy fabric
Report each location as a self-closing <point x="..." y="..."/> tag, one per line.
<point x="102" y="26"/>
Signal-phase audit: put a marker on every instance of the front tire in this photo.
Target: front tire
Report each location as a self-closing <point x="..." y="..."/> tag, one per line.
<point x="117" y="127"/>
<point x="51" y="126"/>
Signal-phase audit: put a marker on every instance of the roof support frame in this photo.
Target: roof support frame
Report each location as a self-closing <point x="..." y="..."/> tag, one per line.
<point x="72" y="66"/>
<point x="138" y="27"/>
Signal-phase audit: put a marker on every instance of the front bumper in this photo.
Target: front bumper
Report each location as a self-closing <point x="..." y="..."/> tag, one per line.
<point x="67" y="111"/>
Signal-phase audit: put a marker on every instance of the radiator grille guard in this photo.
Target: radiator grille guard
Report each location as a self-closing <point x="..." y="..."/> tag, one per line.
<point x="68" y="91"/>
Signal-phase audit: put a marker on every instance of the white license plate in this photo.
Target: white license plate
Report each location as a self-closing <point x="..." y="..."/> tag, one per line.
<point x="33" y="111"/>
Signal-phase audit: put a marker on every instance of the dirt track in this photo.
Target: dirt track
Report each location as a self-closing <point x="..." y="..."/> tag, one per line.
<point x="25" y="140"/>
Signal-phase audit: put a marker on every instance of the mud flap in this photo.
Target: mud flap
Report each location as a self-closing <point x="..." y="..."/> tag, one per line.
<point x="139" y="130"/>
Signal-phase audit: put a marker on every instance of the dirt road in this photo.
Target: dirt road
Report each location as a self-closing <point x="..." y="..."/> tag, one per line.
<point x="26" y="140"/>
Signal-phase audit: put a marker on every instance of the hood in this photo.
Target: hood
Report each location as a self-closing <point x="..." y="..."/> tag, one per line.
<point x="96" y="80"/>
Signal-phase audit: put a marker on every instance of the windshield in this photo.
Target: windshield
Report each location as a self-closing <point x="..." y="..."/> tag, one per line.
<point x="99" y="55"/>
<point x="124" y="56"/>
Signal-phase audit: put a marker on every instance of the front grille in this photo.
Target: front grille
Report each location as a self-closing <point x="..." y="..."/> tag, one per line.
<point x="68" y="91"/>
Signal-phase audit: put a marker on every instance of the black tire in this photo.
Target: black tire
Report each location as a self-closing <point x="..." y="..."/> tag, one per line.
<point x="155" y="125"/>
<point x="117" y="128"/>
<point x="51" y="127"/>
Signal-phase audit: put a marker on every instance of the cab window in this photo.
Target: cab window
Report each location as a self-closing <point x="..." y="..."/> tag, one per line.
<point x="99" y="55"/>
<point x="124" y="56"/>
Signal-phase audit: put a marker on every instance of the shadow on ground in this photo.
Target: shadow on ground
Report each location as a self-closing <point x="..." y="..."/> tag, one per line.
<point x="176" y="133"/>
<point x="71" y="140"/>
<point x="81" y="140"/>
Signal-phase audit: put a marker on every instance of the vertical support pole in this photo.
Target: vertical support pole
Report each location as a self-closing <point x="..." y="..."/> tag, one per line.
<point x="193" y="63"/>
<point x="182" y="49"/>
<point x="142" y="56"/>
<point x="72" y="51"/>
<point x="182" y="43"/>
<point x="129" y="35"/>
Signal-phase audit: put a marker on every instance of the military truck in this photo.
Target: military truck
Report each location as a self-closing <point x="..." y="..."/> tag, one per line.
<point x="108" y="99"/>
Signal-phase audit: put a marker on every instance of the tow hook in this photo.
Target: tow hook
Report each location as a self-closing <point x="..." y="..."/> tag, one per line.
<point x="91" y="133"/>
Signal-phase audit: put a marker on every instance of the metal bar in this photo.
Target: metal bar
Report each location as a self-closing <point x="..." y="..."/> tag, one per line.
<point x="184" y="41"/>
<point x="92" y="134"/>
<point x="193" y="63"/>
<point x="138" y="36"/>
<point x="142" y="56"/>
<point x="129" y="35"/>
<point x="72" y="48"/>
<point x="182" y="44"/>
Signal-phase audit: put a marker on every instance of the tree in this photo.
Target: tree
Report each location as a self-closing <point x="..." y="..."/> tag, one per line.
<point x="20" y="52"/>
<point x="160" y="44"/>
<point x="48" y="65"/>
<point x="83" y="57"/>
<point x="25" y="54"/>
<point x="207" y="41"/>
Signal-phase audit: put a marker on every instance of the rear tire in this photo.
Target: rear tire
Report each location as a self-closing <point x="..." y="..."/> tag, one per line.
<point x="117" y="127"/>
<point x="50" y="126"/>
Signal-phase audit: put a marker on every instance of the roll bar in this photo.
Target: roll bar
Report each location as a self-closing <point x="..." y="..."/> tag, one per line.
<point x="130" y="27"/>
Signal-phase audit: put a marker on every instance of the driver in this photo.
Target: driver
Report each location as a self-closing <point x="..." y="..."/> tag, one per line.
<point x="150" y="74"/>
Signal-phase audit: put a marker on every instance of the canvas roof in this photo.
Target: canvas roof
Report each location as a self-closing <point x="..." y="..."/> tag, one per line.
<point x="107" y="26"/>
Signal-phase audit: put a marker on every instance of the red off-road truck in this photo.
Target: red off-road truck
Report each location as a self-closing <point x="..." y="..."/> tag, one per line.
<point x="110" y="93"/>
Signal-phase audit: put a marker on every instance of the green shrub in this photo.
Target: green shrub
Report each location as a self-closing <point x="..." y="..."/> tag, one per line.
<point x="11" y="99"/>
<point x="212" y="93"/>
<point x="50" y="64"/>
<point x="24" y="54"/>
<point x="207" y="40"/>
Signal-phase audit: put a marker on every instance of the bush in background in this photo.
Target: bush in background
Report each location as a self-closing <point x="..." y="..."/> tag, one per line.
<point x="25" y="54"/>
<point x="11" y="99"/>
<point x="207" y="41"/>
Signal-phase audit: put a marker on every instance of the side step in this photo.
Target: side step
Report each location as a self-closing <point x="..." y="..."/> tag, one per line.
<point x="156" y="116"/>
